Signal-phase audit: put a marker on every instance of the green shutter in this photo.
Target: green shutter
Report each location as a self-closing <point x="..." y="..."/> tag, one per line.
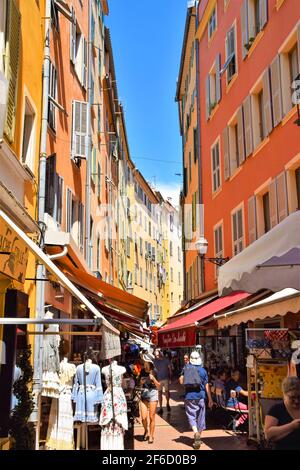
<point x="12" y="67"/>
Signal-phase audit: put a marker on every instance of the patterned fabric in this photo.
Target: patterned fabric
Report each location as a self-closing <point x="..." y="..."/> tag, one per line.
<point x="60" y="428"/>
<point x="112" y="435"/>
<point x="87" y="403"/>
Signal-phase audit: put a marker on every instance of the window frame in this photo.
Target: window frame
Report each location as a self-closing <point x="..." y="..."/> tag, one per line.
<point x="234" y="212"/>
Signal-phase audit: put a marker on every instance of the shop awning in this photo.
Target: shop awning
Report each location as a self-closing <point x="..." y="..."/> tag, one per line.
<point x="205" y="311"/>
<point x="113" y="296"/>
<point x="278" y="304"/>
<point x="112" y="339"/>
<point x="271" y="262"/>
<point x="183" y="312"/>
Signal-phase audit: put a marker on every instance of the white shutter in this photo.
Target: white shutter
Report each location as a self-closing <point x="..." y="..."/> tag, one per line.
<point x="226" y="153"/>
<point x="248" y="125"/>
<point x="241" y="145"/>
<point x="69" y="211"/>
<point x="79" y="129"/>
<point x="207" y="86"/>
<point x="252" y="223"/>
<point x="73" y="37"/>
<point x="276" y="91"/>
<point x="282" y="199"/>
<point x="218" y="79"/>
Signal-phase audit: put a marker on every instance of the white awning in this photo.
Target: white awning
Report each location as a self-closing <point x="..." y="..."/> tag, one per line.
<point x="244" y="271"/>
<point x="278" y="304"/>
<point x="114" y="337"/>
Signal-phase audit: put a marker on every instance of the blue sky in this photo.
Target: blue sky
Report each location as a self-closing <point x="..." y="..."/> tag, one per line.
<point x="147" y="38"/>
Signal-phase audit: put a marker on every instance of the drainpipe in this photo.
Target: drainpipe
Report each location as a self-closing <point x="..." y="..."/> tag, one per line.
<point x="88" y="240"/>
<point x="41" y="270"/>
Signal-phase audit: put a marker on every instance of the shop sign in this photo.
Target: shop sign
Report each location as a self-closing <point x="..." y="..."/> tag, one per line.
<point x="14" y="263"/>
<point x="177" y="339"/>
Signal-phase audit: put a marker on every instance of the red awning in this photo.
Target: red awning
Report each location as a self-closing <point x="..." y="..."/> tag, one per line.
<point x="205" y="311"/>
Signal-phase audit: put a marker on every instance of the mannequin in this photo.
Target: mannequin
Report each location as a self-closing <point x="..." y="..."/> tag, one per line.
<point x="113" y="419"/>
<point x="51" y="365"/>
<point x="87" y="391"/>
<point x="60" y="429"/>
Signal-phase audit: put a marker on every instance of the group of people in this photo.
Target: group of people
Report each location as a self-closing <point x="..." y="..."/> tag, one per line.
<point x="282" y="423"/>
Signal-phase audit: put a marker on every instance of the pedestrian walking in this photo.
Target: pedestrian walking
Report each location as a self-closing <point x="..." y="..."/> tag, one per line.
<point x="149" y="396"/>
<point x="164" y="373"/>
<point x="195" y="381"/>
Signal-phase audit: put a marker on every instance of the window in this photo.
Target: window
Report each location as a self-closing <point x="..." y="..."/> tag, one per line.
<point x="146" y="280"/>
<point x="231" y="59"/>
<point x="141" y="277"/>
<point x="238" y="231"/>
<point x="28" y="144"/>
<point x="69" y="211"/>
<point x="98" y="253"/>
<point x="150" y="281"/>
<point x="172" y="274"/>
<point x="254" y="16"/>
<point x="150" y="229"/>
<point x="79" y="129"/>
<point x="179" y="254"/>
<point x="212" y="23"/>
<point x="171" y="248"/>
<point x="10" y="34"/>
<point x="258" y="121"/>
<point x="179" y="278"/>
<point x="78" y="51"/>
<point x="3" y="8"/>
<point x="54" y="190"/>
<point x="288" y="70"/>
<point x="190" y="165"/>
<point x="136" y="270"/>
<point x="99" y="180"/>
<point x="266" y="210"/>
<point x="52" y="94"/>
<point x="141" y="247"/>
<point x="172" y="297"/>
<point x="171" y="222"/>
<point x="236" y="150"/>
<point x="216" y="171"/>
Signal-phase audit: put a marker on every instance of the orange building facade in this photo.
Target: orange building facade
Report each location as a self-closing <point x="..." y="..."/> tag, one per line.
<point x="249" y="152"/>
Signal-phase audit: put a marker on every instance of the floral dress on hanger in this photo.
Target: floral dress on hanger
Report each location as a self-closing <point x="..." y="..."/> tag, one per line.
<point x="112" y="434"/>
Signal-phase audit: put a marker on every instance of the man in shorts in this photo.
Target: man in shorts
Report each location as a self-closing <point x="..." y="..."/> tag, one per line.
<point x="164" y="376"/>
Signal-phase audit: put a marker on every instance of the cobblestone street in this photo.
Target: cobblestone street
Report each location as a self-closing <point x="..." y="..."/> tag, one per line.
<point x="172" y="431"/>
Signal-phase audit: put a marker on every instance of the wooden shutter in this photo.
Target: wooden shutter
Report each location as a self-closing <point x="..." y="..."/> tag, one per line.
<point x="263" y="13"/>
<point x="79" y="130"/>
<point x="244" y="26"/>
<point x="73" y="37"/>
<point x="240" y="127"/>
<point x="59" y="198"/>
<point x="12" y="67"/>
<point x="248" y="125"/>
<point x="207" y="86"/>
<point x="282" y="199"/>
<point x="226" y="153"/>
<point x="252" y="222"/>
<point x="267" y="102"/>
<point x="276" y="91"/>
<point x="273" y="204"/>
<point x="218" y="79"/>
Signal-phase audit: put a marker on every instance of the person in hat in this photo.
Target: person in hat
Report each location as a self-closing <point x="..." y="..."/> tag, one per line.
<point x="195" y="381"/>
<point x="149" y="396"/>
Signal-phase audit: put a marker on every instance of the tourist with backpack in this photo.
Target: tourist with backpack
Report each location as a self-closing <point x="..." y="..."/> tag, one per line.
<point x="195" y="381"/>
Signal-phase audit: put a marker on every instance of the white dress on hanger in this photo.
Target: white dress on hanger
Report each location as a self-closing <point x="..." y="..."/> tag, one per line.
<point x="112" y="434"/>
<point x="60" y="428"/>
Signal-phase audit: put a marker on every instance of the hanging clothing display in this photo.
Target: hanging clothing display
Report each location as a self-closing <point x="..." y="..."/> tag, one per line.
<point x="113" y="418"/>
<point x="60" y="428"/>
<point x="51" y="380"/>
<point x="88" y="393"/>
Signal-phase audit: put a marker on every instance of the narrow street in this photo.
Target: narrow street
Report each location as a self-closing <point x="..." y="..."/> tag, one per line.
<point x="173" y="433"/>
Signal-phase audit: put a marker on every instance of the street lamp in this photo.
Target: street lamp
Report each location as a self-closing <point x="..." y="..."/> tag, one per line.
<point x="202" y="246"/>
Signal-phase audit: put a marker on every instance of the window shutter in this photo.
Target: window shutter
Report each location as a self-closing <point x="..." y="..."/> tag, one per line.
<point x="263" y="13"/>
<point x="232" y="150"/>
<point x="207" y="85"/>
<point x="298" y="38"/>
<point x="273" y="204"/>
<point x="79" y="131"/>
<point x="252" y="222"/>
<point x="240" y="125"/>
<point x="80" y="221"/>
<point x="73" y="37"/>
<point x="12" y="67"/>
<point x="276" y="91"/>
<point x="244" y="25"/>
<point x="94" y="166"/>
<point x="226" y="153"/>
<point x="50" y="184"/>
<point x="267" y="102"/>
<point x="59" y="199"/>
<point x="84" y="62"/>
<point x="99" y="180"/>
<point x="248" y="125"/>
<point x="69" y="211"/>
<point x="282" y="198"/>
<point x="218" y="79"/>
